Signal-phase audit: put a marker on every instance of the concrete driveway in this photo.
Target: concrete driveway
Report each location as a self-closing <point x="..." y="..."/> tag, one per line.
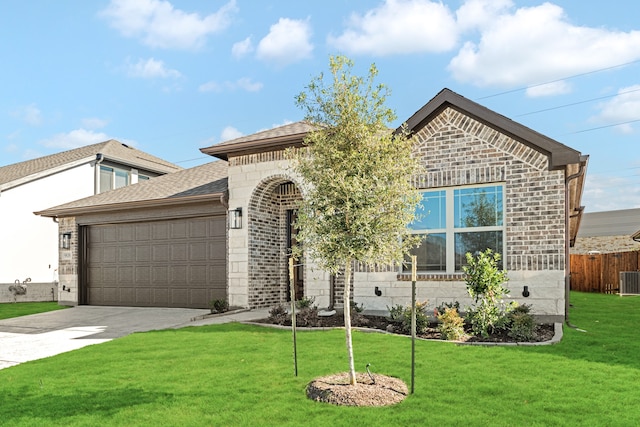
<point x="47" y="334"/>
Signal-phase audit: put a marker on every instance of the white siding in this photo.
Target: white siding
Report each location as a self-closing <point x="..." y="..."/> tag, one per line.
<point x="29" y="243"/>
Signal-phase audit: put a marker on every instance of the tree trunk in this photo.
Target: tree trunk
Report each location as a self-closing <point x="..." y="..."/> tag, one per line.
<point x="347" y="321"/>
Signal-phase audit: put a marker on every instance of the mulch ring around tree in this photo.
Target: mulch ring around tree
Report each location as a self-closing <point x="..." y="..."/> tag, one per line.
<point x="374" y="390"/>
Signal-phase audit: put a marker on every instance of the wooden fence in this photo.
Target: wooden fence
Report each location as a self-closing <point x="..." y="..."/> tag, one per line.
<point x="601" y="272"/>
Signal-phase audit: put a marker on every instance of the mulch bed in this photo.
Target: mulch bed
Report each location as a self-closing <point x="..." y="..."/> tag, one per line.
<point x="544" y="332"/>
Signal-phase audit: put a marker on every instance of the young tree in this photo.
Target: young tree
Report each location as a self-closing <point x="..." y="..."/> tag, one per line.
<point x="358" y="195"/>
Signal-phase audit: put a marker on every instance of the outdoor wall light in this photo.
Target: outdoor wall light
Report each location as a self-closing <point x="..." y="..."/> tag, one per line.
<point x="525" y="292"/>
<point x="235" y="218"/>
<point x="65" y="240"/>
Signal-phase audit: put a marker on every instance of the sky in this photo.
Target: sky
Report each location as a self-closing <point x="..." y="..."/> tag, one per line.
<point x="171" y="77"/>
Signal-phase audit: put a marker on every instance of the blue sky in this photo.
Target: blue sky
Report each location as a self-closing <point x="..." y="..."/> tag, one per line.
<point x="170" y="77"/>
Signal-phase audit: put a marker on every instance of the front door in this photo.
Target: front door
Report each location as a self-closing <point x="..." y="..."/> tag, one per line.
<point x="298" y="272"/>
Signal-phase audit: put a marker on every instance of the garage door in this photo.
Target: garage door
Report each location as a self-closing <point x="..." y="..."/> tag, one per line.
<point x="170" y="263"/>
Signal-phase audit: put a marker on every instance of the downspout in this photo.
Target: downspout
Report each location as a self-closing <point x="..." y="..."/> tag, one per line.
<point x="567" y="236"/>
<point x="96" y="180"/>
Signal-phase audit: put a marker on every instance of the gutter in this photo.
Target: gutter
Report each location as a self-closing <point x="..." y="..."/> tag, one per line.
<point x="567" y="255"/>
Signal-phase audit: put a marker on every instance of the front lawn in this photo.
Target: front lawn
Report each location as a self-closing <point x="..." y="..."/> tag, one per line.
<point x="9" y="310"/>
<point x="243" y="375"/>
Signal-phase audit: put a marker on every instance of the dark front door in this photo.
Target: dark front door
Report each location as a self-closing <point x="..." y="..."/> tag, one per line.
<point x="298" y="275"/>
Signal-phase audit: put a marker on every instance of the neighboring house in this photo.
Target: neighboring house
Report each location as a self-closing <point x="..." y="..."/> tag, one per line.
<point x="608" y="231"/>
<point x="474" y="160"/>
<point x="30" y="243"/>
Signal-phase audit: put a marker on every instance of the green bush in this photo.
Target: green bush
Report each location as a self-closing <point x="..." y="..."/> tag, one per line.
<point x="522" y="326"/>
<point x="485" y="284"/>
<point x="451" y="324"/>
<point x="279" y="315"/>
<point x="442" y="307"/>
<point x="401" y="317"/>
<point x="218" y="306"/>
<point x="305" y="302"/>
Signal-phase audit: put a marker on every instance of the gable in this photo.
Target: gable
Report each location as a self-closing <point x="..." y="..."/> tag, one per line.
<point x="559" y="155"/>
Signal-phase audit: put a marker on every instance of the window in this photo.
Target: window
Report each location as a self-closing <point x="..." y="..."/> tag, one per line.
<point x="111" y="178"/>
<point x="455" y="221"/>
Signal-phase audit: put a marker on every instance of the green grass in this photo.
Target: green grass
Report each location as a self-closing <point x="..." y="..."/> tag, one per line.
<point x="9" y="310"/>
<point x="235" y="374"/>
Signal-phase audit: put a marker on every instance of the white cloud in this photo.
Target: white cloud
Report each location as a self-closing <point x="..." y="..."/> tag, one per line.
<point x="30" y="114"/>
<point x="242" y="48"/>
<point x="479" y="14"/>
<point x="277" y="125"/>
<point x="606" y="193"/>
<point x="399" y="27"/>
<point x="549" y="89"/>
<point x="94" y="123"/>
<point x="287" y="42"/>
<point x="230" y="133"/>
<point x="150" y="69"/>
<point x="537" y="44"/>
<point x="158" y="24"/>
<point x="243" y="83"/>
<point x="74" y="139"/>
<point x="624" y="107"/>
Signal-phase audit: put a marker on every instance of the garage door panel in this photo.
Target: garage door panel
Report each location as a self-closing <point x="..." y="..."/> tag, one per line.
<point x="160" y="297"/>
<point x="143" y="276"/>
<point x="179" y="297"/>
<point x="179" y="252"/>
<point x="198" y="295"/>
<point x="143" y="296"/>
<point x="160" y="253"/>
<point x="143" y="253"/>
<point x="126" y="253"/>
<point x="174" y="263"/>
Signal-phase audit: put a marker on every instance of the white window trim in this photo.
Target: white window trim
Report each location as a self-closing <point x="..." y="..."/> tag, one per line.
<point x="450" y="231"/>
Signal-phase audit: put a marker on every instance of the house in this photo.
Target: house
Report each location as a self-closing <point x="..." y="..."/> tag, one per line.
<point x="30" y="243"/>
<point x="472" y="156"/>
<point x="608" y="231"/>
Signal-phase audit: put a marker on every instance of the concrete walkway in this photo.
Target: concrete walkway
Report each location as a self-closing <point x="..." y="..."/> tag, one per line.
<point x="46" y="334"/>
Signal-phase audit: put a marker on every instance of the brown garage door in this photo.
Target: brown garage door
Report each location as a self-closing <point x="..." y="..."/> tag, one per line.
<point x="170" y="263"/>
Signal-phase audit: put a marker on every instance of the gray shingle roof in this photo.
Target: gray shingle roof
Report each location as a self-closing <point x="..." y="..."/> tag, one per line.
<point x="205" y="180"/>
<point x="270" y="139"/>
<point x="111" y="150"/>
<point x="624" y="222"/>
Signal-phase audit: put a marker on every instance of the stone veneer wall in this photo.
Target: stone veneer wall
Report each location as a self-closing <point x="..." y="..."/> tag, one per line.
<point x="68" y="264"/>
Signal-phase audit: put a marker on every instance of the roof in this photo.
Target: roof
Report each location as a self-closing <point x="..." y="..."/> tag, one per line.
<point x="559" y="154"/>
<point x="624" y="222"/>
<point x="19" y="173"/>
<point x="293" y="134"/>
<point x="195" y="184"/>
<point x="289" y="135"/>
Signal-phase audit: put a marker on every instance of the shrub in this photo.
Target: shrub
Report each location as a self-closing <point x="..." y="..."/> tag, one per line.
<point x="218" y="306"/>
<point x="305" y="302"/>
<point x="401" y="317"/>
<point x="442" y="307"/>
<point x="522" y="326"/>
<point x="307" y="316"/>
<point x="451" y="324"/>
<point x="485" y="284"/>
<point x="357" y="308"/>
<point x="279" y="315"/>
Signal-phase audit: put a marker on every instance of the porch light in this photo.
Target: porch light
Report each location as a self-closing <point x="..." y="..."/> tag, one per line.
<point x="65" y="240"/>
<point x="235" y="218"/>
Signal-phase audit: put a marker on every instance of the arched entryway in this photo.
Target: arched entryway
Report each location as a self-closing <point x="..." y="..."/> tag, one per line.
<point x="271" y="211"/>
